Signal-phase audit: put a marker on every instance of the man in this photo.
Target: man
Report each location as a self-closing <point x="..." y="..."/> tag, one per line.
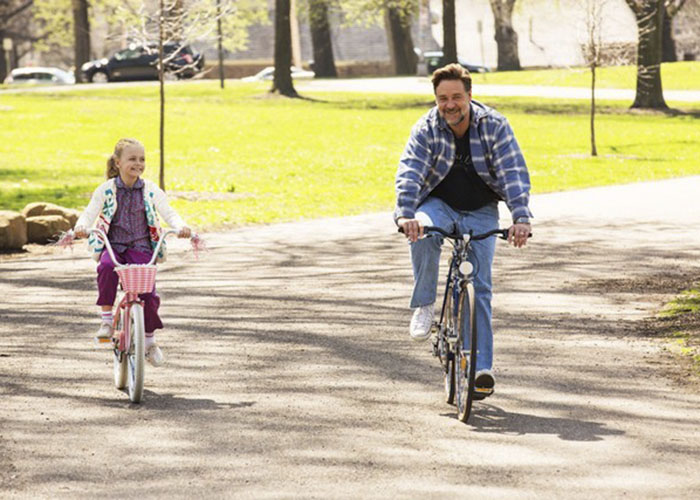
<point x="460" y="160"/>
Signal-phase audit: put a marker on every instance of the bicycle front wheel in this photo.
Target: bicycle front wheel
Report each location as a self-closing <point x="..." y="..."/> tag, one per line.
<point x="445" y="352"/>
<point x="465" y="358"/>
<point x="137" y="354"/>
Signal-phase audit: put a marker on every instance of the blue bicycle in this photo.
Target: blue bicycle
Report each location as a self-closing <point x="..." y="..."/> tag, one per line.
<point x="455" y="340"/>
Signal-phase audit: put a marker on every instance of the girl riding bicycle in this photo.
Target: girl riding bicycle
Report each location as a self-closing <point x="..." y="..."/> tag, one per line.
<point x="126" y="208"/>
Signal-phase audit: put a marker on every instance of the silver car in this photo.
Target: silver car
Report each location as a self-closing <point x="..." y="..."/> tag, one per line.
<point x="39" y="76"/>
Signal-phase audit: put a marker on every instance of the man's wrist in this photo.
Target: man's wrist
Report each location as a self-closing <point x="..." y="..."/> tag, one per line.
<point x="522" y="220"/>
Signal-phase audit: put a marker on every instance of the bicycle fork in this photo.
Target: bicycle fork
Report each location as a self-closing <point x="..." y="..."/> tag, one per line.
<point x="122" y="338"/>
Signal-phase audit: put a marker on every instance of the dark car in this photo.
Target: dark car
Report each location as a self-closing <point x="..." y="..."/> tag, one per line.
<point x="434" y="60"/>
<point x="139" y="62"/>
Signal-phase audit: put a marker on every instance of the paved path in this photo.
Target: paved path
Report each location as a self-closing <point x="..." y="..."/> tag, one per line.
<point x="421" y="85"/>
<point x="290" y="373"/>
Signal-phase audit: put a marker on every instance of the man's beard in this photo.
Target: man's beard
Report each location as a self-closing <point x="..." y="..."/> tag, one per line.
<point x="462" y="116"/>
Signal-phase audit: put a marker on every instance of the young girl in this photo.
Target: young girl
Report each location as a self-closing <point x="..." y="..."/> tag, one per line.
<point x="125" y="208"/>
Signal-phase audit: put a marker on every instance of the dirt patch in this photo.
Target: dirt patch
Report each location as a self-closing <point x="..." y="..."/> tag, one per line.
<point x="679" y="334"/>
<point x="672" y="281"/>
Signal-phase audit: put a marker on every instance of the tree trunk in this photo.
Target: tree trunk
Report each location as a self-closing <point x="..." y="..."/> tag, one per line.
<point x="398" y="26"/>
<point x="324" y="63"/>
<point x="505" y="36"/>
<point x="81" y="35"/>
<point x="282" y="81"/>
<point x="219" y="43"/>
<point x="4" y="63"/>
<point x="173" y="16"/>
<point x="161" y="93"/>
<point x="649" y="15"/>
<point x="449" y="32"/>
<point x="594" y="150"/>
<point x="668" y="44"/>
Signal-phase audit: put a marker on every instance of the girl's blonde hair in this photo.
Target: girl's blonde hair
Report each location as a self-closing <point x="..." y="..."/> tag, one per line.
<point x="112" y="170"/>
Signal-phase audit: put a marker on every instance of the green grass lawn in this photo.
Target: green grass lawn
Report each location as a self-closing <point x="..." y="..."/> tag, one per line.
<point x="239" y="156"/>
<point x="674" y="76"/>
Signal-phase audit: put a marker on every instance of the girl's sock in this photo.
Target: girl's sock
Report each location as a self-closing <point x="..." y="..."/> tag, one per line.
<point x="150" y="339"/>
<point x="107" y="317"/>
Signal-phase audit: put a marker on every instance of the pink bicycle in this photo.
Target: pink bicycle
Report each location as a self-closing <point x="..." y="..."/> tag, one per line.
<point x="129" y="338"/>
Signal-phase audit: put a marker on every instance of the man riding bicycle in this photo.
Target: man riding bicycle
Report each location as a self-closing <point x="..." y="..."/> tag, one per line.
<point x="460" y="161"/>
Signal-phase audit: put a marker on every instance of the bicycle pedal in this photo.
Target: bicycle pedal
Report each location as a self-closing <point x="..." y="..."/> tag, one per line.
<point x="101" y="342"/>
<point x="482" y="393"/>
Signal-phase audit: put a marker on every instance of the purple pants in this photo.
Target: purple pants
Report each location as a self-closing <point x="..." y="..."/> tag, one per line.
<point x="107" y="282"/>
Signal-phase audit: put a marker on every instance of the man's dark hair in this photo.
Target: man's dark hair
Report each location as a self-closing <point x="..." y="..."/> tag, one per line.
<point x="452" y="72"/>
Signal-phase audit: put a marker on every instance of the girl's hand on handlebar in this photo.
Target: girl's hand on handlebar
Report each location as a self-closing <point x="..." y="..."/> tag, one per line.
<point x="412" y="228"/>
<point x="185" y="232"/>
<point x="518" y="234"/>
<point x="80" y="232"/>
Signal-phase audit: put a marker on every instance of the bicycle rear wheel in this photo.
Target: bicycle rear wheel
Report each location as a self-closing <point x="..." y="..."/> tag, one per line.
<point x="121" y="368"/>
<point x="465" y="359"/>
<point x="136" y="355"/>
<point x="447" y="358"/>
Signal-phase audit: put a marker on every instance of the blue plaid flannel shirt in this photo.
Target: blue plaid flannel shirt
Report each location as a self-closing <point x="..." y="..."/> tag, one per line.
<point x="430" y="153"/>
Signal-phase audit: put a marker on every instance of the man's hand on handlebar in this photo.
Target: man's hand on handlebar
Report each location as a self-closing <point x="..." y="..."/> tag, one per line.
<point x="412" y="228"/>
<point x="185" y="232"/>
<point x="518" y="234"/>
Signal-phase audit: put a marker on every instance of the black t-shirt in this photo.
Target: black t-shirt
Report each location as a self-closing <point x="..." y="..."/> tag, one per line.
<point x="462" y="188"/>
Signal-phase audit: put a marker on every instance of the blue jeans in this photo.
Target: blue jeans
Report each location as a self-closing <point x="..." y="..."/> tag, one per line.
<point x="425" y="256"/>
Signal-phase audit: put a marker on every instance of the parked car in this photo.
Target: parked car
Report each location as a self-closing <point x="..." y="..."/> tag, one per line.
<point x="139" y="62"/>
<point x="269" y="73"/>
<point x="39" y="76"/>
<point x="434" y="60"/>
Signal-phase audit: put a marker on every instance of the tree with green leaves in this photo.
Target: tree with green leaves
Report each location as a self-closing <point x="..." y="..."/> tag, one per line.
<point x="398" y="17"/>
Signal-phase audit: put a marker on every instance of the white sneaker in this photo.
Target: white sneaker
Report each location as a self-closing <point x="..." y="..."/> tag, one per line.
<point x="154" y="355"/>
<point x="105" y="331"/>
<point x="422" y="322"/>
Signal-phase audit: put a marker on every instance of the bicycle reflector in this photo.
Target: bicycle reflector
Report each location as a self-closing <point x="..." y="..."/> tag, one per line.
<point x="466" y="268"/>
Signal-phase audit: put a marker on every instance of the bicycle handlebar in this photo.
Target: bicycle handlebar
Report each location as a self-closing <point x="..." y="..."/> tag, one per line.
<point x="502" y="233"/>
<point x="108" y="246"/>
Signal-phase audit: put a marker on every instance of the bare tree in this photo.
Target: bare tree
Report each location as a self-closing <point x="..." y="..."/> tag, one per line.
<point x="505" y="36"/>
<point x="324" y="63"/>
<point x="282" y="81"/>
<point x="649" y="15"/>
<point x="595" y="51"/>
<point x="171" y="25"/>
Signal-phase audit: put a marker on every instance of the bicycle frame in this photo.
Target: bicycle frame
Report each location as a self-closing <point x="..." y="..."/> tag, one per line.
<point x="129" y="299"/>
